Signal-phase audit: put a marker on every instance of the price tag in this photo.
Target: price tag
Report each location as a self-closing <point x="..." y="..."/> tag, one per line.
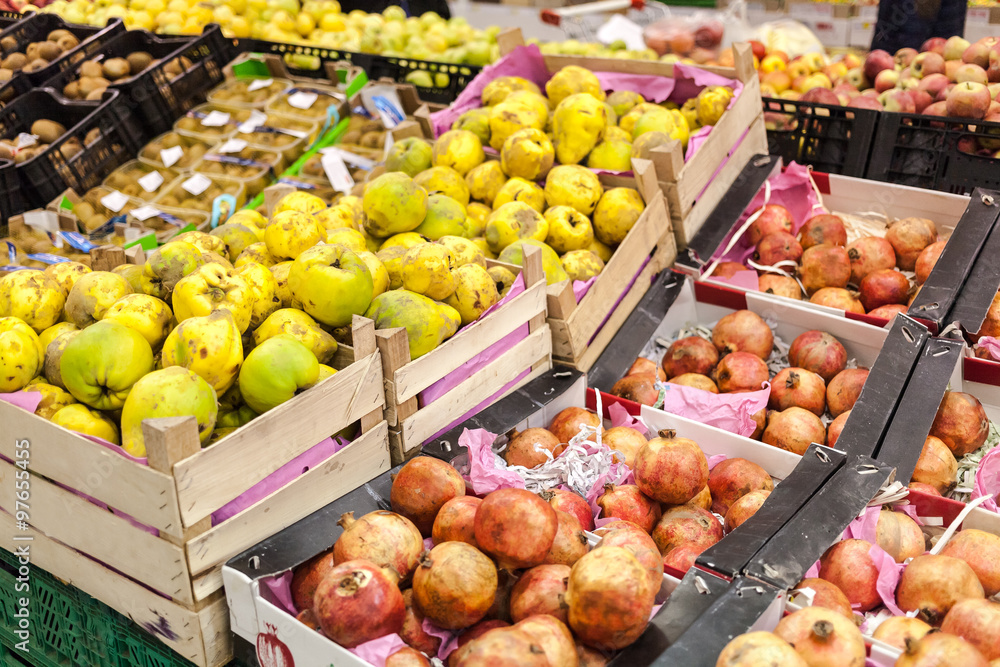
<point x="351" y="159"/>
<point x="215" y="119"/>
<point x="46" y="221"/>
<point x="170" y="156"/>
<point x="233" y="146"/>
<point x="978" y="15"/>
<point x="144" y="212"/>
<point x="151" y="181"/>
<point x="251" y="124"/>
<point x="197" y="184"/>
<point x="389" y="141"/>
<point x="115" y="201"/>
<point x="47" y="258"/>
<point x="337" y="173"/>
<point x="257" y="84"/>
<point x="823" y="11"/>
<point x="302" y="99"/>
<point x="24" y="140"/>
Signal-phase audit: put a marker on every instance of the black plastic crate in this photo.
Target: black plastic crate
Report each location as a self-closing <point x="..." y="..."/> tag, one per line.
<point x="831" y="138"/>
<point x="288" y="52"/>
<point x="459" y="76"/>
<point x="156" y="99"/>
<point x="954" y="155"/>
<point x="11" y="202"/>
<point x="47" y="175"/>
<point x="7" y="19"/>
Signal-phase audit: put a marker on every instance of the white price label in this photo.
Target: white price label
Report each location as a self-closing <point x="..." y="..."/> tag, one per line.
<point x="170" y="156"/>
<point x="24" y="140"/>
<point x="233" y="146"/>
<point x="255" y="120"/>
<point x="144" y="212"/>
<point x="151" y="181"/>
<point x="215" y="119"/>
<point x="822" y="10"/>
<point x="197" y="184"/>
<point x="337" y="173"/>
<point x="114" y="201"/>
<point x="978" y="15"/>
<point x="46" y="221"/>
<point x="257" y="84"/>
<point x="302" y="99"/>
<point x="389" y="141"/>
<point x="133" y="233"/>
<point x="350" y="158"/>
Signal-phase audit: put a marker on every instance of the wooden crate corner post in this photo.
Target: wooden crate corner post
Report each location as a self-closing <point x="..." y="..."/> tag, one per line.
<point x="107" y="257"/>
<point x="170" y="440"/>
<point x="364" y="341"/>
<point x="509" y="39"/>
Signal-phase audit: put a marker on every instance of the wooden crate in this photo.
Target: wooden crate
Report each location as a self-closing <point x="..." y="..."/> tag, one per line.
<point x="109" y="557"/>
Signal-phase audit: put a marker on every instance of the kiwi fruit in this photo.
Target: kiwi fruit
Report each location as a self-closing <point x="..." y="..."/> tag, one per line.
<point x="14" y="61"/>
<point x="94" y="222"/>
<point x="24" y="155"/>
<point x="56" y="34"/>
<point x="6" y="151"/>
<point x="6" y="75"/>
<point x="116" y="68"/>
<point x="91" y="69"/>
<point x="92" y="136"/>
<point x="67" y="42"/>
<point x="83" y="210"/>
<point x="47" y="130"/>
<point x="35" y="65"/>
<point x="32" y="51"/>
<point x="173" y="67"/>
<point x="8" y="43"/>
<point x="95" y="94"/>
<point x="49" y="51"/>
<point x="70" y="149"/>
<point x="138" y="61"/>
<point x="72" y="90"/>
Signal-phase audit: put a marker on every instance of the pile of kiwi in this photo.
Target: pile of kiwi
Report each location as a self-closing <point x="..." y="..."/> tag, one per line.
<point x="365" y="132"/>
<point x="317" y="111"/>
<point x="48" y="132"/>
<point x="94" y="76"/>
<point x="256" y="175"/>
<point x="36" y="55"/>
<point x="178" y="197"/>
<point x="125" y="179"/>
<point x="194" y="150"/>
<point x="237" y="92"/>
<point x="91" y="213"/>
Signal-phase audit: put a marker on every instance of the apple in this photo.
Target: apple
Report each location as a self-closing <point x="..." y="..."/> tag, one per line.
<point x="332" y="283"/>
<point x="921" y="99"/>
<point x="898" y="101"/>
<point x="933" y="83"/>
<point x="886" y="79"/>
<point x="777" y="80"/>
<point x="790" y="95"/>
<point x="936" y="109"/>
<point x="992" y="110"/>
<point x="856" y="77"/>
<point x="971" y="72"/>
<point x="943" y="93"/>
<point x="851" y="61"/>
<point x="797" y="67"/>
<point x="994" y="89"/>
<point x="865" y="102"/>
<point x="799" y="83"/>
<point x="821" y="95"/>
<point x="759" y="50"/>
<point x="835" y="71"/>
<point x="926" y="63"/>
<point x="815" y="61"/>
<point x="904" y="56"/>
<point x="934" y="44"/>
<point x="951" y="67"/>
<point x="817" y="80"/>
<point x="100" y="364"/>
<point x="993" y="71"/>
<point x="993" y="116"/>
<point x="871" y="92"/>
<point x="979" y="52"/>
<point x="172" y="392"/>
<point x="275" y="371"/>
<point x="954" y="47"/>
<point x="709" y="36"/>
<point x="845" y="92"/>
<point x="772" y="63"/>
<point x="876" y="61"/>
<point x="968" y="100"/>
<point x="766" y="90"/>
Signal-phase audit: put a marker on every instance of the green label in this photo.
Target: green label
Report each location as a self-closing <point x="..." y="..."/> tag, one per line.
<point x="251" y="68"/>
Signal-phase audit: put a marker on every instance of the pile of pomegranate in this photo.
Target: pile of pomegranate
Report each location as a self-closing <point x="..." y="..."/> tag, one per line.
<point x="864" y="276"/>
<point x="816" y="385"/>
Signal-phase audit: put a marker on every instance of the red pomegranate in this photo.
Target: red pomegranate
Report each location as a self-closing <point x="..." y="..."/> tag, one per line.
<point x="682" y="558"/>
<point x="760" y="420"/>
<point x="610" y="598"/>
<point x="422" y="487"/>
<point x="977" y="622"/>
<point x="407" y="657"/>
<point x="845" y="389"/>
<point x="909" y="236"/>
<point x="637" y="388"/>
<point x="628" y="503"/>
<point x="568" y="422"/>
<point x="991" y="325"/>
<point x="898" y="631"/>
<point x="941" y="648"/>
<point x="646" y="366"/>
<point x="884" y="287"/>
<point x="671" y="470"/>
<point x="455" y="585"/>
<point x="827" y="595"/>
<point x="819" y="352"/>
<point x="412" y="631"/>
<point x="931" y="584"/>
<point x="743" y="331"/>
<point x="590" y="657"/>
<point x="554" y="637"/>
<point x="627" y="441"/>
<point x="961" y="422"/>
<point x="740" y="371"/>
<point x="693" y="354"/>
<point x="839" y="298"/>
<point x="501" y="647"/>
<point x="387" y="539"/>
<point x="571" y="503"/>
<point x="899" y="535"/>
<point x="981" y="550"/>
<point x="823" y="228"/>
<point x="794" y="430"/>
<point x="774" y="218"/>
<point x="778" y="247"/>
<point x="516" y="527"/>
<point x="456" y="522"/>
<point x="936" y="466"/>
<point x="695" y="381"/>
<point x="570" y="543"/>
<point x="867" y="254"/>
<point x="744" y="508"/>
<point x="823" y="637"/>
<point x="797" y="387"/>
<point x="926" y="260"/>
<point x="824" y="265"/>
<point x="732" y="479"/>
<point x="307" y="618"/>
<point x="637" y="542"/>
<point x="524" y="448"/>
<point x="540" y="590"/>
<point x="703" y="499"/>
<point x="357" y="602"/>
<point x="835" y="427"/>
<point x="889" y="311"/>
<point x="307" y="577"/>
<point x="475" y="632"/>
<point x="779" y="286"/>
<point x="923" y="488"/>
<point x="727" y="269"/>
<point x="686" y="524"/>
<point x="848" y="566"/>
<point x="759" y="649"/>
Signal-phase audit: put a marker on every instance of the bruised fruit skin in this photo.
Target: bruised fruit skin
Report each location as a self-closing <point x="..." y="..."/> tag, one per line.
<point x="671" y="470"/>
<point x="744" y="508"/>
<point x="838" y="297"/>
<point x="977" y="622"/>
<point x="522" y="448"/>
<point x="628" y="503"/>
<point x="936" y="466"/>
<point x="569" y="544"/>
<point x="500" y="647"/>
<point x="307" y="577"/>
<point x="540" y="590"/>
<point x="824" y="265"/>
<point x="835" y="427"/>
<point x="908" y="237"/>
<point x="884" y="287"/>
<point x="926" y="260"/>
<point x="981" y="550"/>
<point x="819" y="352"/>
<point x="899" y="535"/>
<point x="422" y="487"/>
<point x="456" y="521"/>
<point x="755" y="649"/>
<point x="743" y="331"/>
<point x="797" y="387"/>
<point x="386" y="539"/>
<point x="826" y="595"/>
<point x="961" y="422"/>
<point x="848" y="566"/>
<point x="693" y="354"/>
<point x="637" y="388"/>
<point x="941" y="648"/>
<point x="778" y="247"/>
<point x="779" y="286"/>
<point x="824" y="228"/>
<point x="740" y="371"/>
<point x="412" y="631"/>
<point x="897" y="630"/>
<point x="845" y="389"/>
<point x="626" y="441"/>
<point x="732" y="479"/>
<point x="455" y="585"/>
<point x="931" y="585"/>
<point x="868" y="254"/>
<point x="637" y="542"/>
<point x="567" y="501"/>
<point x="516" y="527"/>
<point x="567" y="423"/>
<point x="357" y="602"/>
<point x="794" y="430"/>
<point x="695" y="381"/>
<point x="823" y="637"/>
<point x="686" y="525"/>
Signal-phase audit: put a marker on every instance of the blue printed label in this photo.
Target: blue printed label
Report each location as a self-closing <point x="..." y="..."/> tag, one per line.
<point x="78" y="241"/>
<point x="47" y="258"/>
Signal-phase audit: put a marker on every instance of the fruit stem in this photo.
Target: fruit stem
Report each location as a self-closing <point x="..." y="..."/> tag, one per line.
<point x="668" y="433"/>
<point x="822" y="629"/>
<point x="346" y="520"/>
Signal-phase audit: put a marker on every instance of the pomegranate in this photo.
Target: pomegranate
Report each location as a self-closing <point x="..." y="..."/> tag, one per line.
<point x="554" y="637"/>
<point x="308" y="618"/>
<point x="977" y="622"/>
<point x="778" y="247"/>
<point x="540" y="590"/>
<point x="695" y="381"/>
<point x="823" y="637"/>
<point x="932" y="584"/>
<point x="939" y="649"/>
<point x="835" y="427"/>
<point x="909" y="236"/>
<point x="899" y="535"/>
<point x="774" y="218"/>
<point x="760" y="419"/>
<point x="610" y="598"/>
<point x="357" y="602"/>
<point x="627" y="441"/>
<point x="307" y="577"/>
<point x="387" y="539"/>
<point x="456" y="522"/>
<point x="732" y="479"/>
<point x="743" y="331"/>
<point x="475" y="632"/>
<point x="819" y="352"/>
<point x="590" y="657"/>
<point x="501" y="647"/>
<point x="568" y="422"/>
<point x="827" y="595"/>
<point x="824" y="265"/>
<point x="648" y="367"/>
<point x="981" y="551"/>
<point x="637" y="388"/>
<point x="936" y="466"/>
<point x="727" y="269"/>
<point x="455" y="585"/>
<point x="926" y="260"/>
<point x="740" y="371"/>
<point x="744" y="508"/>
<point x="671" y="470"/>
<point x="839" y="298"/>
<point x="628" y="503"/>
<point x="884" y="287"/>
<point x="923" y="488"/>
<point x="516" y="527"/>
<point x="848" y="566"/>
<point x="570" y="543"/>
<point x="823" y="228"/>
<point x="571" y="503"/>
<point x="637" y="542"/>
<point x="867" y="254"/>
<point x="412" y="631"/>
<point x="845" y="389"/>
<point x="991" y="325"/>
<point x="686" y="524"/>
<point x="759" y="649"/>
<point x="961" y="422"/>
<point x="889" y="311"/>
<point x="779" y="286"/>
<point x="794" y="430"/>
<point x="407" y="657"/>
<point x="682" y="558"/>
<point x="527" y="448"/>
<point x="702" y="500"/>
<point x="797" y="387"/>
<point x="422" y="487"/>
<point x="693" y="354"/>
<point x="898" y="630"/>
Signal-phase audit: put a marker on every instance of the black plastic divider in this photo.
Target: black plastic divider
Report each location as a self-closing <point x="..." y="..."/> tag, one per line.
<point x="11" y="198"/>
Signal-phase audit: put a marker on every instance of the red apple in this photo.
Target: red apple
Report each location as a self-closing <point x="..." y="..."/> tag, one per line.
<point x="866" y="102"/>
<point x="942" y="95"/>
<point x="899" y="101"/>
<point x="933" y="83"/>
<point x="993" y="71"/>
<point x="871" y="92"/>
<point x="951" y="67"/>
<point x="821" y="95"/>
<point x="955" y="47"/>
<point x="926" y="63"/>
<point x="936" y="109"/>
<point x="856" y="77"/>
<point x="935" y="44"/>
<point x="994" y="89"/>
<point x="904" y="56"/>
<point x="876" y="61"/>
<point x="886" y="79"/>
<point x="921" y="99"/>
<point x="968" y="100"/>
<point x="979" y="52"/>
<point x="709" y="36"/>
<point x="993" y="109"/>
<point x="851" y="60"/>
<point x="971" y="72"/>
